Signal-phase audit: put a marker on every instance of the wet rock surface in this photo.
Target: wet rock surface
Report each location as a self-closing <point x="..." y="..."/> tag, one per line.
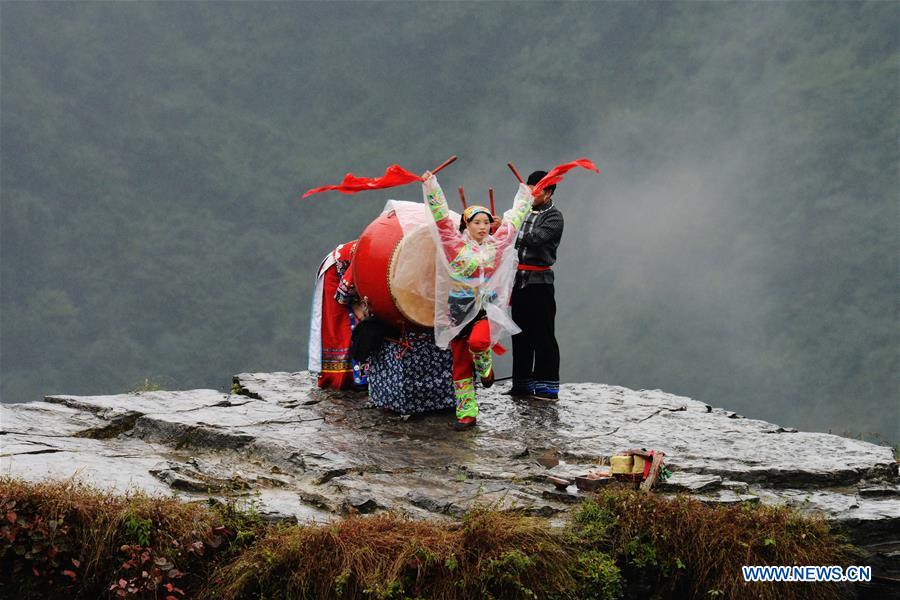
<point x="302" y="453"/>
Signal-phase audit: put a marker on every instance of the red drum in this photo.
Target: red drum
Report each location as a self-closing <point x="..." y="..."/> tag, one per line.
<point x="396" y="272"/>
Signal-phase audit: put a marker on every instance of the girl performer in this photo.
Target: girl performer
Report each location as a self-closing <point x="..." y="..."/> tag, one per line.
<point x="474" y="278"/>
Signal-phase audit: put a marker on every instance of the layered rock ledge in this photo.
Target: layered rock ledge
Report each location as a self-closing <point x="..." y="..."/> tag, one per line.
<point x="302" y="453"/>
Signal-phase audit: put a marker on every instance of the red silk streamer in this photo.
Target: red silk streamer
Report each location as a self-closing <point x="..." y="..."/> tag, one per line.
<point x="394" y="176"/>
<point x="556" y="173"/>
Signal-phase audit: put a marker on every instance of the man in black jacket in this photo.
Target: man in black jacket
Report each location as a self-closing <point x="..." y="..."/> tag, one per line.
<point x="535" y="351"/>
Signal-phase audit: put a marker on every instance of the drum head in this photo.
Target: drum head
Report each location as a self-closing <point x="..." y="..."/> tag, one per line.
<point x="411" y="277"/>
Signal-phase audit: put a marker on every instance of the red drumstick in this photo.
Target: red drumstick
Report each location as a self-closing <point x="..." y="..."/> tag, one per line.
<point x="444" y="164"/>
<point x="516" y="173"/>
<point x="462" y="196"/>
<point x="491" y="194"/>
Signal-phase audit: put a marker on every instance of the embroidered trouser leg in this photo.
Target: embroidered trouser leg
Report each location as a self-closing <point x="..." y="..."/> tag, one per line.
<point x="471" y="356"/>
<point x="463" y="386"/>
<point x="466" y="406"/>
<point x="480" y="347"/>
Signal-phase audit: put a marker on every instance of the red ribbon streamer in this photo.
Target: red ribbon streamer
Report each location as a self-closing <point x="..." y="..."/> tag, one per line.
<point x="556" y="173"/>
<point x="394" y="176"/>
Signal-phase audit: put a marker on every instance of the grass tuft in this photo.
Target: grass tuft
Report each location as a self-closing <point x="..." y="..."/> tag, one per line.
<point x="491" y="554"/>
<point x="682" y="548"/>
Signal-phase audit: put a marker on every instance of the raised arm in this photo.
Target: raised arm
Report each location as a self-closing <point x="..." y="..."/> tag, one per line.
<point x="450" y="238"/>
<point x="514" y="218"/>
<point x="435" y="199"/>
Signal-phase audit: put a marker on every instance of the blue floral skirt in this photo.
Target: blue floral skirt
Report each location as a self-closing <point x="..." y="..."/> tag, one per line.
<point x="411" y="376"/>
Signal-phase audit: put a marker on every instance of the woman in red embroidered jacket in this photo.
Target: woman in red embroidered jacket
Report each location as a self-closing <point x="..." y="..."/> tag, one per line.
<point x="473" y="282"/>
<point x="336" y="308"/>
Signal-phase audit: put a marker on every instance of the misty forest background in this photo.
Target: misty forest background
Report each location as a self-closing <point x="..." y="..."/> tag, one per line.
<point x="740" y="246"/>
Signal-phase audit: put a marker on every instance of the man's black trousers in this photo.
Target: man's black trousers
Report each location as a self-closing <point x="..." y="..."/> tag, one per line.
<point x="535" y="351"/>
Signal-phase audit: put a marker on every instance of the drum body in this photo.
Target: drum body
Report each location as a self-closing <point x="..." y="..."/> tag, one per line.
<point x="396" y="272"/>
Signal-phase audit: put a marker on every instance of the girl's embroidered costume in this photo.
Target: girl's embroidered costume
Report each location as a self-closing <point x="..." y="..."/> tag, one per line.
<point x="473" y="283"/>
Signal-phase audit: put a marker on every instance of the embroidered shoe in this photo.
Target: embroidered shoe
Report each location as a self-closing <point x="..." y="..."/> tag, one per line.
<point x="465" y="423"/>
<point x="545" y="397"/>
<point x="488" y="381"/>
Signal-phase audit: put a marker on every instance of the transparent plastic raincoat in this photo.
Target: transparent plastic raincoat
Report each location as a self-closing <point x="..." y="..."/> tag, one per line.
<point x="471" y="277"/>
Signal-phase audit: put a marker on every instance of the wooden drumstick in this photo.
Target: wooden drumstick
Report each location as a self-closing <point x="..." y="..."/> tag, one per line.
<point x="491" y="194"/>
<point x="516" y="173"/>
<point x="447" y="162"/>
<point x="462" y="196"/>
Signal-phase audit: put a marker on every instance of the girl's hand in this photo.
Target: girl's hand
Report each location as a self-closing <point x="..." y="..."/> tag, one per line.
<point x="426" y="176"/>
